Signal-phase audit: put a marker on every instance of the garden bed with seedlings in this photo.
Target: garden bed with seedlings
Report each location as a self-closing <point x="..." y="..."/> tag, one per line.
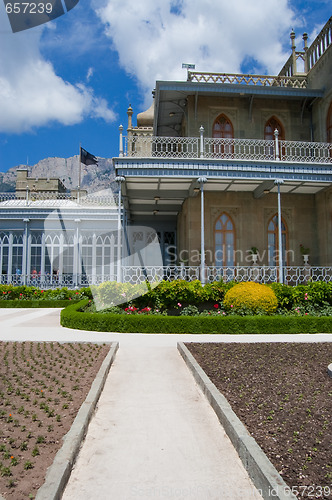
<point x="42" y="386"/>
<point x="283" y="394"/>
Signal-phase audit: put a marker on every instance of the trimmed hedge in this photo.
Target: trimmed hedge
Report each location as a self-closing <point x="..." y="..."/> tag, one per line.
<point x="72" y="317"/>
<point x="27" y="304"/>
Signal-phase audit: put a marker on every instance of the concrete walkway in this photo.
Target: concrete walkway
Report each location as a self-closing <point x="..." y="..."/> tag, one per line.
<point x="153" y="436"/>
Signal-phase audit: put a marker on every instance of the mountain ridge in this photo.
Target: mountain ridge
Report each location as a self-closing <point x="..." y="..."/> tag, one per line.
<point x="93" y="177"/>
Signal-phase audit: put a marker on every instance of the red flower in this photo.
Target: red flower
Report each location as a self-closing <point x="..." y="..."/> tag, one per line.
<point x="216" y="306"/>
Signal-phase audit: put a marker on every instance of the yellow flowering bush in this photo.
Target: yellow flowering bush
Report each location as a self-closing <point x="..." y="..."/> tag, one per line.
<point x="252" y="296"/>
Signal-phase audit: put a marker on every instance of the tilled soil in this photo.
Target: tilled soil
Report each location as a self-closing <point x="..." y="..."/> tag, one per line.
<point x="282" y="393"/>
<point x="42" y="386"/>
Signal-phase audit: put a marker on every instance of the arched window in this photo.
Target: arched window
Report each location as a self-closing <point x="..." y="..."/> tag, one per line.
<point x="17" y="253"/>
<point x="329" y="125"/>
<point x="87" y="254"/>
<point x="270" y="126"/>
<point x="223" y="132"/>
<point x="224" y="241"/>
<point x="4" y="253"/>
<point x="222" y="128"/>
<point x="52" y="256"/>
<point x="273" y="241"/>
<point x="35" y="252"/>
<point x="106" y="252"/>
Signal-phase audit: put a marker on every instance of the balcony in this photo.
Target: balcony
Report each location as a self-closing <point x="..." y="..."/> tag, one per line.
<point x="147" y="146"/>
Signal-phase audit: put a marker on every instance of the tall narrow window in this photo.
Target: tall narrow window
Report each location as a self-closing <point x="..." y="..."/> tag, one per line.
<point x="224" y="241"/>
<point x="223" y="132"/>
<point x="35" y="252"/>
<point x="4" y="252"/>
<point x="271" y="125"/>
<point x="17" y="250"/>
<point x="329" y="125"/>
<point x="273" y="241"/>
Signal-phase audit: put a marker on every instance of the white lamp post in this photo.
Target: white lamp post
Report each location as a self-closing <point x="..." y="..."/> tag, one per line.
<point x="202" y="181"/>
<point x="278" y="182"/>
<point x="120" y="180"/>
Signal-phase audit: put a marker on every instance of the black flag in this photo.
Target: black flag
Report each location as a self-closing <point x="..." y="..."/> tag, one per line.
<point x="87" y="158"/>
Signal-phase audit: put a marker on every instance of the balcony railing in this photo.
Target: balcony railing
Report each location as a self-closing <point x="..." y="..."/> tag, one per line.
<point x="257" y="80"/>
<point x="292" y="275"/>
<point x="233" y="149"/>
<point x="52" y="198"/>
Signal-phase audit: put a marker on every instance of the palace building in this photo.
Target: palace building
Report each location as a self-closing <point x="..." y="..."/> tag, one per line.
<point x="234" y="171"/>
<point x="51" y="238"/>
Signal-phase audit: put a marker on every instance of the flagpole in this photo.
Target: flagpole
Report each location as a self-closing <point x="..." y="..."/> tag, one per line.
<point x="79" y="174"/>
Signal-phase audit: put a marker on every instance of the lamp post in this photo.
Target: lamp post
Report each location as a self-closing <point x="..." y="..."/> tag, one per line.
<point x="119" y="179"/>
<point x="202" y="181"/>
<point x="278" y="182"/>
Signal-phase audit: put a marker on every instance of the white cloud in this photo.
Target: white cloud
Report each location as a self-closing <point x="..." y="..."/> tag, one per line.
<point x="154" y="37"/>
<point x="32" y="94"/>
<point x="89" y="74"/>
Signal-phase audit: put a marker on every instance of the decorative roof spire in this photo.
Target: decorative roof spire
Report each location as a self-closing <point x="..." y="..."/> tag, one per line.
<point x="130" y="114"/>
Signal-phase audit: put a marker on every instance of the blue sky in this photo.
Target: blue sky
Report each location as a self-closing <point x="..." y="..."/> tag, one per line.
<point x="71" y="80"/>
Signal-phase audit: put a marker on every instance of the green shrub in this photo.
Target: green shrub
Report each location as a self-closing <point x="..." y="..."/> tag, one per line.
<point x="314" y="293"/>
<point x="72" y="317"/>
<point x="112" y="293"/>
<point x="251" y="296"/>
<point x="22" y="292"/>
<point x="29" y="304"/>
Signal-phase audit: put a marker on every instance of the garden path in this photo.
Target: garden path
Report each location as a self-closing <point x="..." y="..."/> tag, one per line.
<point x="153" y="434"/>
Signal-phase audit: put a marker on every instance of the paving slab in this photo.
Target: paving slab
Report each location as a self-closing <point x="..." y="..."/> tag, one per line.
<point x="154" y="435"/>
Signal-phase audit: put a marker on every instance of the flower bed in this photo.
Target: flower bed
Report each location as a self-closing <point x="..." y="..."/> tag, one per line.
<point x="190" y="298"/>
<point x="74" y="316"/>
<point x="42" y="386"/>
<point x="282" y="393"/>
<point x="29" y="296"/>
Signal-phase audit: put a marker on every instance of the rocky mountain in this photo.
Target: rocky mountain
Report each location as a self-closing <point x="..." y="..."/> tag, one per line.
<point x="93" y="177"/>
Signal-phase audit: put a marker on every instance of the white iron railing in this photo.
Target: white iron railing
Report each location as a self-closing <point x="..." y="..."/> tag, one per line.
<point x="309" y="152"/>
<point x="240" y="149"/>
<point x="49" y="197"/>
<point x="292" y="275"/>
<point x="234" y="149"/>
<point x="48" y="281"/>
<point x="164" y="147"/>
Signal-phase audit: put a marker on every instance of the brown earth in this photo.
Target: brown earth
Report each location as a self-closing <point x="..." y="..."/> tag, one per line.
<point x="283" y="395"/>
<point x="42" y="386"/>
